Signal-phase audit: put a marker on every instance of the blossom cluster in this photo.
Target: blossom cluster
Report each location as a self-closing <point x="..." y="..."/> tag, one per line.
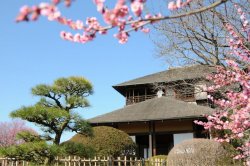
<point x="9" y="131"/>
<point x="178" y="4"/>
<point x="126" y="16"/>
<point x="232" y="117"/>
<point x="119" y="17"/>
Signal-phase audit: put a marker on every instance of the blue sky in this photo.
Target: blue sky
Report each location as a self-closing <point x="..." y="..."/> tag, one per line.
<point x="33" y="53"/>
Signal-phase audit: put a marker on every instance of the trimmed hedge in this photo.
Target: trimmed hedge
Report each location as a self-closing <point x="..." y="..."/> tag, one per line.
<point x="107" y="141"/>
<point x="203" y="152"/>
<point x="152" y="161"/>
<point x="77" y="149"/>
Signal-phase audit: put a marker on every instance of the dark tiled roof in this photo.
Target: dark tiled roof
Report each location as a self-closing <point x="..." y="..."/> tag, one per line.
<point x="174" y="74"/>
<point x="154" y="109"/>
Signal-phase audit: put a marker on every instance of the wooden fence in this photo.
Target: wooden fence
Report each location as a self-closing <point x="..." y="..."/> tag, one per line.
<point x="97" y="161"/>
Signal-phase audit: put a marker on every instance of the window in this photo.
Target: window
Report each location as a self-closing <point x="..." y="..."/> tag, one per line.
<point x="184" y="92"/>
<point x="178" y="138"/>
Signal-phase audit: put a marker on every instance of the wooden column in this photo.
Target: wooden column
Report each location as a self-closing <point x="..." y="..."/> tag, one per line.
<point x="126" y="99"/>
<point x="154" y="139"/>
<point x="150" y="145"/>
<point x="133" y="96"/>
<point x="150" y="137"/>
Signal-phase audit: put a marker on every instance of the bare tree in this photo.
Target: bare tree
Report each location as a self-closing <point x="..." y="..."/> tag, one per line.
<point x="199" y="38"/>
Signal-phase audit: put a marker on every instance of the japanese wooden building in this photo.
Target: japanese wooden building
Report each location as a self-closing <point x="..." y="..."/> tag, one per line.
<point x="160" y="109"/>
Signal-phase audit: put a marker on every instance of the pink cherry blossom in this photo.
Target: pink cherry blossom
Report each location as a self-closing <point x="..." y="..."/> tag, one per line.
<point x="174" y="5"/>
<point x="122" y="37"/>
<point x="113" y="17"/>
<point x="137" y="7"/>
<point x="145" y="30"/>
<point x="99" y="5"/>
<point x="9" y="131"/>
<point x="233" y="112"/>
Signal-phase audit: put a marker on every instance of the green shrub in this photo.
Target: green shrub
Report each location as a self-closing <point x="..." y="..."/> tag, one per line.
<point x="161" y="157"/>
<point x="231" y="152"/>
<point x="77" y="149"/>
<point x="33" y="149"/>
<point x="37" y="152"/>
<point x="107" y="141"/>
<point x="199" y="152"/>
<point x="152" y="161"/>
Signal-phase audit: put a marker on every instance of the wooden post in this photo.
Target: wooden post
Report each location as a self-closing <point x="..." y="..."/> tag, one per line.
<point x="104" y="161"/>
<point x="125" y="161"/>
<point x="79" y="161"/>
<point x="65" y="161"/>
<point x="130" y="161"/>
<point x="133" y="96"/>
<point x="154" y="138"/>
<point x="90" y="163"/>
<point x="119" y="161"/>
<point x="99" y="161"/>
<point x="84" y="162"/>
<point x="74" y="161"/>
<point x="110" y="161"/>
<point x="69" y="161"/>
<point x="150" y="140"/>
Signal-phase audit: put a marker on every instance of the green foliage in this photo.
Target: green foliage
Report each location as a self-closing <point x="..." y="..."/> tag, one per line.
<point x="78" y="149"/>
<point x="54" y="112"/>
<point x="28" y="136"/>
<point x="107" y="141"/>
<point x="77" y="124"/>
<point x="49" y="118"/>
<point x="199" y="152"/>
<point x="160" y="157"/>
<point x="34" y="149"/>
<point x="73" y="89"/>
<point x="152" y="161"/>
<point x="231" y="152"/>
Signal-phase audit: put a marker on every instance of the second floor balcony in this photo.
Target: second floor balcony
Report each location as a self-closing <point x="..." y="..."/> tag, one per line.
<point x="190" y="97"/>
<point x="136" y="99"/>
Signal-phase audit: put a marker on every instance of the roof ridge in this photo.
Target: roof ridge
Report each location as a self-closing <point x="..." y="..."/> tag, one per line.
<point x="141" y="77"/>
<point x="181" y="67"/>
<point x="169" y="75"/>
<point x="153" y="109"/>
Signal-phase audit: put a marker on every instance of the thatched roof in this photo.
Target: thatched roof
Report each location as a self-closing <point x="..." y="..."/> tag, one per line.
<point x="163" y="108"/>
<point x="174" y="74"/>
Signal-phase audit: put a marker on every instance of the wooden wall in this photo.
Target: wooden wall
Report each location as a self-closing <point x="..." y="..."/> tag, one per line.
<point x="160" y="126"/>
<point x="170" y="126"/>
<point x="135" y="127"/>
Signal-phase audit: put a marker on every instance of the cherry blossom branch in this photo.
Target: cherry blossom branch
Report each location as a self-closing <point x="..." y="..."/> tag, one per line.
<point x="231" y="121"/>
<point x="118" y="17"/>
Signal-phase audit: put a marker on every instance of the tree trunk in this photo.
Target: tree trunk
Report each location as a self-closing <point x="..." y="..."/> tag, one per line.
<point x="57" y="138"/>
